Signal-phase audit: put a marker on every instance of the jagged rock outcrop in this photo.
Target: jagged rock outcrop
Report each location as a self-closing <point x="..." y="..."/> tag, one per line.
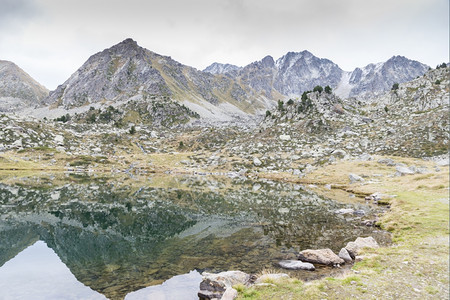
<point x="18" y="89"/>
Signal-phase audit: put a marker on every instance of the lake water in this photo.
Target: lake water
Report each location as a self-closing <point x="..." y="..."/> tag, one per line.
<point x="78" y="236"/>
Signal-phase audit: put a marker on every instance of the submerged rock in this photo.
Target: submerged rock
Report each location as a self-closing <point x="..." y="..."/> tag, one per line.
<point x="321" y="256"/>
<point x="296" y="265"/>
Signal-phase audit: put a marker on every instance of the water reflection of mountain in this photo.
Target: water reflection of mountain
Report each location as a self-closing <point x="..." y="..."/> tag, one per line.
<point x="117" y="239"/>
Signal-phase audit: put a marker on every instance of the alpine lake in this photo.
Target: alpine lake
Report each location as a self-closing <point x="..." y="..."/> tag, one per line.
<point x="97" y="236"/>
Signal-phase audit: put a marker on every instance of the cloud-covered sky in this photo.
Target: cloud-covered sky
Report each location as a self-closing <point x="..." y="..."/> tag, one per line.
<point x="50" y="39"/>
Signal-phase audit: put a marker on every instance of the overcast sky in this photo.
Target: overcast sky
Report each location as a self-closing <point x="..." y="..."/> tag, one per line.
<point x="51" y="39"/>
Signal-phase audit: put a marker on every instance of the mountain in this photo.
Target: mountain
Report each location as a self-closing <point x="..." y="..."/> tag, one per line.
<point x="127" y="71"/>
<point x="17" y="88"/>
<point x="374" y="79"/>
<point x="218" y="68"/>
<point x="297" y="72"/>
<point x="144" y="86"/>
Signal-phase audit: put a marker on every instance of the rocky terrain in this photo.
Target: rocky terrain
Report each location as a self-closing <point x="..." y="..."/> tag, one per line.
<point x="299" y="133"/>
<point x="17" y="89"/>
<point x="130" y="112"/>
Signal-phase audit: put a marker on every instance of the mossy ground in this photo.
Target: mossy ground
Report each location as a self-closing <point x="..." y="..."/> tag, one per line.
<point x="415" y="266"/>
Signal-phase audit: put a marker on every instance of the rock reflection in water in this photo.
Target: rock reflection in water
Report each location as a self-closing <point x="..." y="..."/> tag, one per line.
<point x="117" y="238"/>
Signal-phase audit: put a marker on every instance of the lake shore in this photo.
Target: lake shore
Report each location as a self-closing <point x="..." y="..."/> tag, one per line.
<point x="415" y="266"/>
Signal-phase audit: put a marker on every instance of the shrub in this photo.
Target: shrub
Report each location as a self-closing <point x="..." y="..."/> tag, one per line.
<point x="318" y="88"/>
<point x="394" y="87"/>
<point x="305" y="95"/>
<point x="132" y="130"/>
<point x="290" y="102"/>
<point x="437" y="82"/>
<point x="386" y="109"/>
<point x="268" y="113"/>
<point x="328" y="89"/>
<point x="280" y="105"/>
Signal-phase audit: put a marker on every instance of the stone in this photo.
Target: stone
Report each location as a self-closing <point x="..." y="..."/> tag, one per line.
<point x="271" y="277"/>
<point x="386" y="161"/>
<point x="321" y="256"/>
<point x="365" y="157"/>
<point x="229" y="294"/>
<point x="207" y="295"/>
<point x="345" y="255"/>
<point x="59" y="139"/>
<point x="257" y="162"/>
<point x="402" y="171"/>
<point x="338" y="153"/>
<point x="354" y="178"/>
<point x="354" y="248"/>
<point x="344" y="211"/>
<point x="285" y="137"/>
<point x="296" y="265"/>
<point x="218" y="283"/>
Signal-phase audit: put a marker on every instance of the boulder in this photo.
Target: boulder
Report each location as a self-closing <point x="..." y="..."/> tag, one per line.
<point x="386" y="161"/>
<point x="344" y="211"/>
<point x="339" y="153"/>
<point x="271" y="277"/>
<point x="321" y="256"/>
<point x="345" y="255"/>
<point x="365" y="157"/>
<point x="285" y="137"/>
<point x="59" y="140"/>
<point x="257" y="162"/>
<point x="354" y="178"/>
<point x="229" y="294"/>
<point x="354" y="248"/>
<point x="215" y="285"/>
<point x="296" y="265"/>
<point x="402" y="171"/>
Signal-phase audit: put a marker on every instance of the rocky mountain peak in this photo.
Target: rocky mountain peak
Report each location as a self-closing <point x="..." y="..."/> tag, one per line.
<point x="218" y="68"/>
<point x="17" y="88"/>
<point x="268" y="62"/>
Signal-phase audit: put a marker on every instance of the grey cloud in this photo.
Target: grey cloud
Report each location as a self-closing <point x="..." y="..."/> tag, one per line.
<point x="14" y="12"/>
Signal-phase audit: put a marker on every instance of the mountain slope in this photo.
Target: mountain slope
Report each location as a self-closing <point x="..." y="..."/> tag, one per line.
<point x="17" y="88"/>
<point x="127" y="71"/>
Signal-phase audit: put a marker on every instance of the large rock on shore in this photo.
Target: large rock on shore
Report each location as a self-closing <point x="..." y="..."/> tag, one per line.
<point x="345" y="255"/>
<point x="354" y="248"/>
<point x="321" y="256"/>
<point x="216" y="285"/>
<point x="296" y="265"/>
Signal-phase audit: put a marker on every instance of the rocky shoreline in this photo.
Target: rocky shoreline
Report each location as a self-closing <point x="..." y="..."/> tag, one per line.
<point x="220" y="286"/>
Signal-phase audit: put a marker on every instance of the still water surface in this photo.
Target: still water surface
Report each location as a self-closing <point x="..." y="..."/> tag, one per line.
<point x="89" y="237"/>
